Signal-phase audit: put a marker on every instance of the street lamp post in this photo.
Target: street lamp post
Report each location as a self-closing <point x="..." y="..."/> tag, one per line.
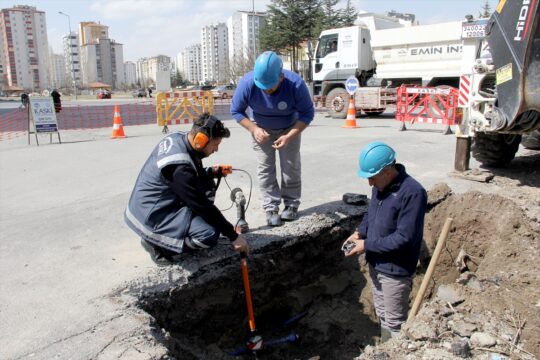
<point x="253" y="30"/>
<point x="71" y="55"/>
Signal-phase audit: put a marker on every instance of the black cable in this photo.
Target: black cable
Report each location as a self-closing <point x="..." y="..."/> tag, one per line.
<point x="250" y="186"/>
<point x="250" y="190"/>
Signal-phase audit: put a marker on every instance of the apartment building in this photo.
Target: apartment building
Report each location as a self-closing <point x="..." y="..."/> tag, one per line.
<point x="192" y="63"/>
<point x="102" y="59"/>
<point x="147" y="69"/>
<point x="243" y="34"/>
<point x="59" y="75"/>
<point x="214" y="53"/>
<point x="130" y="73"/>
<point x="24" y="49"/>
<point x="72" y="57"/>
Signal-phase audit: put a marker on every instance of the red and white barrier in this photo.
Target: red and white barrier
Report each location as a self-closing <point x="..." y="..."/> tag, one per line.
<point x="422" y="104"/>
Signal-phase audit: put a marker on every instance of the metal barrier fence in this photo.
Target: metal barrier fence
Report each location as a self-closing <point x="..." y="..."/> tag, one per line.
<point x="433" y="105"/>
<point x="182" y="107"/>
<point x="14" y="123"/>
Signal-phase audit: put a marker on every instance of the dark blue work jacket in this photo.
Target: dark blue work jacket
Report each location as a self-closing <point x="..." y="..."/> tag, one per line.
<point x="394" y="225"/>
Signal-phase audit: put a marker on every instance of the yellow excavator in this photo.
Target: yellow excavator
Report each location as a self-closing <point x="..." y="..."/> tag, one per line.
<point x="503" y="88"/>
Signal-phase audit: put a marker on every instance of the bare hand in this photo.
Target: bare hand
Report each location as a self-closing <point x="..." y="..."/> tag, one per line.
<point x="240" y="244"/>
<point x="359" y="245"/>
<point x="281" y="142"/>
<point x="260" y="135"/>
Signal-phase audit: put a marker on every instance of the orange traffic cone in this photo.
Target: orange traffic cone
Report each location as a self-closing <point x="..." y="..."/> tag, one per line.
<point x="118" y="129"/>
<point x="350" y="122"/>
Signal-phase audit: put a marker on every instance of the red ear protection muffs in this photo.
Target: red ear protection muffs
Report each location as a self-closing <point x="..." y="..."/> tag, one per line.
<point x="204" y="134"/>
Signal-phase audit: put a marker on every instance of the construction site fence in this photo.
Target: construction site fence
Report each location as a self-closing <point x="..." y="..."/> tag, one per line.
<point x="14" y="123"/>
<point x="424" y="104"/>
<point x="182" y="107"/>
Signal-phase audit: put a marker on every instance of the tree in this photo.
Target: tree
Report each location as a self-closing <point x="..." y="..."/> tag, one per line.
<point x="239" y="65"/>
<point x="177" y="80"/>
<point x="289" y="23"/>
<point x="486" y="10"/>
<point x="292" y="22"/>
<point x="349" y="15"/>
<point x="331" y="17"/>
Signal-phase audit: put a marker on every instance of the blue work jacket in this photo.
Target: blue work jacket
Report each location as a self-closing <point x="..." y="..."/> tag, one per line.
<point x="393" y="227"/>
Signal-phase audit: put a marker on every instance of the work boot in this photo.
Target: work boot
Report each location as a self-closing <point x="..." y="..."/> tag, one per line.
<point x="386" y="334"/>
<point x="158" y="255"/>
<point x="289" y="213"/>
<point x="273" y="219"/>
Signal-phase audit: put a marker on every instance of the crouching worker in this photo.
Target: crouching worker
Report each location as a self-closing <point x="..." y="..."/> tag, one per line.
<point x="172" y="204"/>
<point x="390" y="233"/>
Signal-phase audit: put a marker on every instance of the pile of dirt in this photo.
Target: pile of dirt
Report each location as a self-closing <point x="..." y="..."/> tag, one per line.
<point x="484" y="297"/>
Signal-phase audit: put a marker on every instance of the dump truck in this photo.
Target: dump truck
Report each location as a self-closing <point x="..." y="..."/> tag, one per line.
<point x="500" y="92"/>
<point x="384" y="53"/>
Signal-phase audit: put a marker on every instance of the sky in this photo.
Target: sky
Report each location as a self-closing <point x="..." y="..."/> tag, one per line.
<point x="152" y="27"/>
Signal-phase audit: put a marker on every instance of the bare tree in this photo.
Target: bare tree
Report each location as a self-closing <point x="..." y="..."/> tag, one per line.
<point x="240" y="65"/>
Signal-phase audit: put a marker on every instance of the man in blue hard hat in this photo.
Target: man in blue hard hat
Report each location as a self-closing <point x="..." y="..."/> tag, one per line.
<point x="281" y="109"/>
<point x="390" y="233"/>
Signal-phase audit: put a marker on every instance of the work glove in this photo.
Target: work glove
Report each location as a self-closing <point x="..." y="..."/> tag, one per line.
<point x="221" y="170"/>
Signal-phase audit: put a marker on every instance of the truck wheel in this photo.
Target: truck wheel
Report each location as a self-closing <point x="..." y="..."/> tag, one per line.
<point x="337" y="103"/>
<point x="495" y="150"/>
<point x="531" y="141"/>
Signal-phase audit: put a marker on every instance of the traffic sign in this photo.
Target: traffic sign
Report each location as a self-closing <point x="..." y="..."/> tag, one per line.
<point x="351" y="85"/>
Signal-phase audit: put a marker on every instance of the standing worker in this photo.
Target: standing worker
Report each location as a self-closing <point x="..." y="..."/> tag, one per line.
<point x="390" y="233"/>
<point x="56" y="100"/>
<point x="172" y="204"/>
<point x="282" y="108"/>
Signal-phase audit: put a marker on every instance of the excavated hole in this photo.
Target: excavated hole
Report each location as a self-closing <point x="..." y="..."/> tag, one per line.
<point x="207" y="319"/>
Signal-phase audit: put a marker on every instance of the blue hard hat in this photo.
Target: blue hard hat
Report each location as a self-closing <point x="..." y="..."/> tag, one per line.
<point x="374" y="157"/>
<point x="267" y="71"/>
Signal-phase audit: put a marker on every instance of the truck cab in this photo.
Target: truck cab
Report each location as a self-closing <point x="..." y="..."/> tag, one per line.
<point x="341" y="53"/>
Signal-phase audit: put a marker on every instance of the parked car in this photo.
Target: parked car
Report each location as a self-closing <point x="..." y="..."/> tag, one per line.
<point x="139" y="93"/>
<point x="200" y="88"/>
<point x="104" y="94"/>
<point x="223" y="91"/>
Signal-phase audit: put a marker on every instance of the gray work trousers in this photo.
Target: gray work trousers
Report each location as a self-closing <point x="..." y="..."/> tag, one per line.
<point x="390" y="298"/>
<point x="289" y="162"/>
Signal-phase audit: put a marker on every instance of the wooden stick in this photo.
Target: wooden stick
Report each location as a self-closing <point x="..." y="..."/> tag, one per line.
<point x="493" y="351"/>
<point x="431" y="268"/>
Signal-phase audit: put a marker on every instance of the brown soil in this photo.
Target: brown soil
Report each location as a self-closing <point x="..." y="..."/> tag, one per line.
<point x="499" y="234"/>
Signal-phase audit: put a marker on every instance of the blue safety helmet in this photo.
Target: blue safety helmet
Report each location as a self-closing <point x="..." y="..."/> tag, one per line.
<point x="267" y="71"/>
<point x="374" y="157"/>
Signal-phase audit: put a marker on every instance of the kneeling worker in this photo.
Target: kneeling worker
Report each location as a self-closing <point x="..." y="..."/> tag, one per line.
<point x="172" y="204"/>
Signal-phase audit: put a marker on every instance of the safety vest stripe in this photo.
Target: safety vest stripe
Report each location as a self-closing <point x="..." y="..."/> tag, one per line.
<point x="157" y="237"/>
<point x="174" y="159"/>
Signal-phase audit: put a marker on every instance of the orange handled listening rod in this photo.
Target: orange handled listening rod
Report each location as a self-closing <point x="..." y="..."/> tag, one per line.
<point x="247" y="290"/>
<point x="255" y="342"/>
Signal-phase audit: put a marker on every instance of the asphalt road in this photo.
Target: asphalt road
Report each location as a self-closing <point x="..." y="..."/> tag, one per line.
<point x="64" y="248"/>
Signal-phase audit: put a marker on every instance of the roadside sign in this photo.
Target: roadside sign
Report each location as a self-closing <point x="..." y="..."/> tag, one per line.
<point x="351" y="85"/>
<point x="43" y="114"/>
<point x="42" y="117"/>
<point x="474" y="29"/>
